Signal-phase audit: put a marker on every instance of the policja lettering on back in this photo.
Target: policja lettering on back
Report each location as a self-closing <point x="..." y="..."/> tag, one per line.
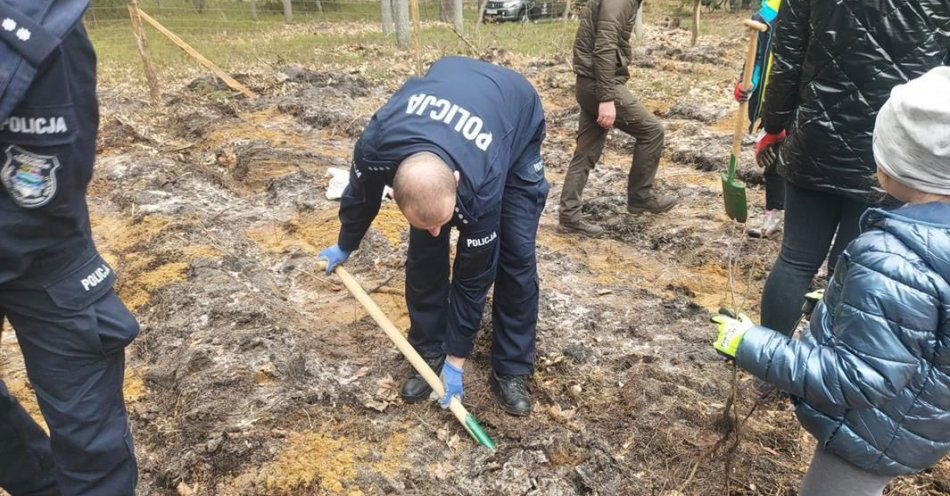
<point x="469" y="125"/>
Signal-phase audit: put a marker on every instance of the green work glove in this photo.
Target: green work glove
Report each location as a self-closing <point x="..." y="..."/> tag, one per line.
<point x="811" y="300"/>
<point x="731" y="332"/>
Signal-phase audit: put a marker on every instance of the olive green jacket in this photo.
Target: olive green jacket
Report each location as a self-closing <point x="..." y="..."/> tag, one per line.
<point x="602" y="45"/>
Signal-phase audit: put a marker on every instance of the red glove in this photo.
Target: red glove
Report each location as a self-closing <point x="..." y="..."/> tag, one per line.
<point x="741" y="94"/>
<point x="766" y="149"/>
<point x="768" y="139"/>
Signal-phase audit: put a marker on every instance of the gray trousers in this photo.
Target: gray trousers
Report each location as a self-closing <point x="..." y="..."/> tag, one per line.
<point x="632" y="118"/>
<point x="829" y="475"/>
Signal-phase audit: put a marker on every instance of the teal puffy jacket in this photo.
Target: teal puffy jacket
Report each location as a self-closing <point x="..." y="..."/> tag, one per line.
<point x="871" y="380"/>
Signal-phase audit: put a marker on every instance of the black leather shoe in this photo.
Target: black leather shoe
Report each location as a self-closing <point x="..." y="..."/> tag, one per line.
<point x="416" y="389"/>
<point x="512" y="392"/>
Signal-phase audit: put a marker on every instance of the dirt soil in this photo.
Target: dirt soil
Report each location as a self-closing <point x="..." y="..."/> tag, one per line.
<point x="256" y="374"/>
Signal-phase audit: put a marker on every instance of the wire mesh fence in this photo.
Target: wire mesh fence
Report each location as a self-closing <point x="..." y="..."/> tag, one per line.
<point x="110" y="17"/>
<point x="238" y="34"/>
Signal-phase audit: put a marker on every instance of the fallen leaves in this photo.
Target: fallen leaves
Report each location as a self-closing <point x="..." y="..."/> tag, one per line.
<point x="446" y="435"/>
<point x="387" y="393"/>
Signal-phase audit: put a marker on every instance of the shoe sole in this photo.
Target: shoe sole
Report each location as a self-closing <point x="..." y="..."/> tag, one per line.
<point x="568" y="230"/>
<point x="494" y="392"/>
<point x="641" y="210"/>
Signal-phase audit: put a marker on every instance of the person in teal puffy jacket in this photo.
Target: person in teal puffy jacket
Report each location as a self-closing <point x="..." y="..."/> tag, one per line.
<point x="871" y="379"/>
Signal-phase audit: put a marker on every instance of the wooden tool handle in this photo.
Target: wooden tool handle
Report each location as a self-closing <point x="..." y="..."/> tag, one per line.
<point x="746" y="82"/>
<point x="398" y="339"/>
<point x="756" y="25"/>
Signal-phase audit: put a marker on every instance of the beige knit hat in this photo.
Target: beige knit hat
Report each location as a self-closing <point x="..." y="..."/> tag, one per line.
<point x="912" y="133"/>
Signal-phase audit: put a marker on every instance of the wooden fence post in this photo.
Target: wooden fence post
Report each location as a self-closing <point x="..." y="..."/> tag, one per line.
<point x="230" y="81"/>
<point x="142" y="43"/>
<point x="416" y="32"/>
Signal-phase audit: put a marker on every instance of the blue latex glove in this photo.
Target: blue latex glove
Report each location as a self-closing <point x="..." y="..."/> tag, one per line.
<point x="452" y="379"/>
<point x="334" y="256"/>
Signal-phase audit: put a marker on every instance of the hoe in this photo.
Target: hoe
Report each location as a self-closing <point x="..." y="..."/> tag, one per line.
<point x="464" y="417"/>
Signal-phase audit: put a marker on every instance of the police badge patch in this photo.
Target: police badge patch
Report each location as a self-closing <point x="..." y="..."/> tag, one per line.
<point x="29" y="178"/>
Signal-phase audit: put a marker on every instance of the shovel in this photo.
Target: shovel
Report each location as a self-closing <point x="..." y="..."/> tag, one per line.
<point x="733" y="192"/>
<point x="467" y="420"/>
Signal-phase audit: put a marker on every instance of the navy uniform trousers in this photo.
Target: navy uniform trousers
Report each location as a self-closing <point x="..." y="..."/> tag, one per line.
<point x="73" y="342"/>
<point x="510" y="263"/>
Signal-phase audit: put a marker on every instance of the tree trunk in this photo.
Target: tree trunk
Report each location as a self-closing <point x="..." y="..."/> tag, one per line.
<point x="457" y="19"/>
<point x="288" y="11"/>
<point x="567" y="11"/>
<point x="403" y="34"/>
<point x="254" y="9"/>
<point x="696" y="5"/>
<point x="638" y="24"/>
<point x="386" y="12"/>
<point x="445" y="10"/>
<point x="481" y="14"/>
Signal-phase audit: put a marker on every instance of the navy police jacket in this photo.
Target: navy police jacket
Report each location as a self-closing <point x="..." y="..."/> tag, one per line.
<point x="872" y="377"/>
<point x="478" y="117"/>
<point x="48" y="124"/>
<point x="483" y="120"/>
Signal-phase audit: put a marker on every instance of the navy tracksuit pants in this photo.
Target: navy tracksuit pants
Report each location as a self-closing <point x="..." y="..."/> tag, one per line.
<point x="512" y="266"/>
<point x="72" y="333"/>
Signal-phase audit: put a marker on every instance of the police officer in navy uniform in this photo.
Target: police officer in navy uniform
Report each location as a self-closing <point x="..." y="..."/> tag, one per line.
<point x="461" y="148"/>
<point x="55" y="289"/>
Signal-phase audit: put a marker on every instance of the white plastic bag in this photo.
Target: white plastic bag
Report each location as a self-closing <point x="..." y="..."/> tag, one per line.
<point x="339" y="179"/>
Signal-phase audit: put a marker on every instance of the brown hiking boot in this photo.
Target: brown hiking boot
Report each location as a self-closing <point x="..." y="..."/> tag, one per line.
<point x="654" y="204"/>
<point x="579" y="227"/>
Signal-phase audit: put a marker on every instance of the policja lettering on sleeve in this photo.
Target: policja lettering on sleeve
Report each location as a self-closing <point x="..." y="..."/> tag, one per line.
<point x="467" y="125"/>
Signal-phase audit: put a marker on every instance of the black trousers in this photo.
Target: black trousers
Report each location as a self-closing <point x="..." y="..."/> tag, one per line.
<point x="509" y="262"/>
<point x="818" y="227"/>
<point x="72" y="331"/>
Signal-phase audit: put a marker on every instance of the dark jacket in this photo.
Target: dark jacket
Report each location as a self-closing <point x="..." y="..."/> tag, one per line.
<point x="49" y="119"/>
<point x="487" y="123"/>
<point x="602" y="44"/>
<point x="835" y="64"/>
<point x="872" y="377"/>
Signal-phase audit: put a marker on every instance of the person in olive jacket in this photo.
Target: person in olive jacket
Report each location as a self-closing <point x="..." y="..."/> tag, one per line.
<point x="601" y="54"/>
<point x="835" y="64"/>
<point x="871" y="377"/>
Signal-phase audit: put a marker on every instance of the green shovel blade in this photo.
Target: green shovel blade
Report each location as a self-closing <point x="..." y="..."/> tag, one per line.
<point x="476" y="431"/>
<point x="733" y="192"/>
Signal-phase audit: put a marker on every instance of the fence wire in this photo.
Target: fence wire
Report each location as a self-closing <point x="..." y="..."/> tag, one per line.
<point x="238" y="34"/>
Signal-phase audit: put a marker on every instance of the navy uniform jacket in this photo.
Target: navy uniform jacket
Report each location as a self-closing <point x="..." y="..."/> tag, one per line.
<point x="483" y="120"/>
<point x="48" y="123"/>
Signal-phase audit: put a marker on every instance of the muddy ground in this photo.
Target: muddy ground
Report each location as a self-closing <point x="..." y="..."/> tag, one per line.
<point x="256" y="374"/>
